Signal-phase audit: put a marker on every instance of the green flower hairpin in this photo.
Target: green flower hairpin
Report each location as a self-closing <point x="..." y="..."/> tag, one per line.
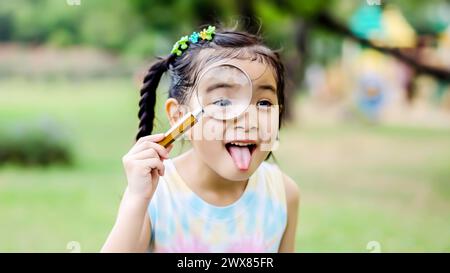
<point x="180" y="45"/>
<point x="183" y="43"/>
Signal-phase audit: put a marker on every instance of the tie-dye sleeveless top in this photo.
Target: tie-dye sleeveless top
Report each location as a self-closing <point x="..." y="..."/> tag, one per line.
<point x="183" y="222"/>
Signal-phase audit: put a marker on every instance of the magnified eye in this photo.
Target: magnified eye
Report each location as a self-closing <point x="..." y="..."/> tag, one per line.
<point x="264" y="104"/>
<point x="222" y="102"/>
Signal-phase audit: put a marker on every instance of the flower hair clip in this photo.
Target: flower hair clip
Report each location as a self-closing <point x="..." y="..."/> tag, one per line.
<point x="195" y="37"/>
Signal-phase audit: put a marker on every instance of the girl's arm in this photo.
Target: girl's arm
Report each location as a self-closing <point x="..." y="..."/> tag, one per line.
<point x="292" y="200"/>
<point x="143" y="165"/>
<point x="128" y="233"/>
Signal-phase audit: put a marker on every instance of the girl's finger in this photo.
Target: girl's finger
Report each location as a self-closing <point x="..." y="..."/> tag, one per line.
<point x="150" y="145"/>
<point x="155" y="174"/>
<point x="152" y="163"/>
<point x="146" y="154"/>
<point x="152" y="138"/>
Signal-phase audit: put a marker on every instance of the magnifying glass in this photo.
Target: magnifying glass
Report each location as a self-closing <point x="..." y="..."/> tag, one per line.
<point x="223" y="92"/>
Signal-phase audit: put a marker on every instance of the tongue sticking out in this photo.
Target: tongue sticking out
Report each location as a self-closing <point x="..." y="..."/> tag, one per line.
<point x="241" y="156"/>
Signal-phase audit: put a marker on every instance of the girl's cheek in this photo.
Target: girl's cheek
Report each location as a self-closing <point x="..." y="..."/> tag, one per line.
<point x="206" y="138"/>
<point x="268" y="128"/>
<point x="207" y="129"/>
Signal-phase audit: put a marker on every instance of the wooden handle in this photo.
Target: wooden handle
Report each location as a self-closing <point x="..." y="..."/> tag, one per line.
<point x="178" y="129"/>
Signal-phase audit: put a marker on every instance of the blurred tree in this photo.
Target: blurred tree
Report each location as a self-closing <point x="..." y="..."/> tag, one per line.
<point x="306" y="31"/>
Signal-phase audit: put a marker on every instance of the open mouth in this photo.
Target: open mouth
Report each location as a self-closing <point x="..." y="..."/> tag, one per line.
<point x="241" y="153"/>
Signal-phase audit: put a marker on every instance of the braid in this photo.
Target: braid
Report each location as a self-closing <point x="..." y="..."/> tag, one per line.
<point x="148" y="96"/>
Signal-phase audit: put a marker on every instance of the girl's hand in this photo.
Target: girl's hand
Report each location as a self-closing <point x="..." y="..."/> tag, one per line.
<point x="144" y="164"/>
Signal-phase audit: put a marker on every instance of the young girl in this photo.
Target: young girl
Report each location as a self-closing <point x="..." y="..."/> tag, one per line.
<point x="221" y="195"/>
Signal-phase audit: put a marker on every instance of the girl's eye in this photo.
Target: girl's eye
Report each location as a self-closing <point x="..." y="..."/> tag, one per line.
<point x="264" y="104"/>
<point x="222" y="102"/>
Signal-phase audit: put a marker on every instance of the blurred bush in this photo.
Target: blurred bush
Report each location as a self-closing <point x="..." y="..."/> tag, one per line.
<point x="42" y="142"/>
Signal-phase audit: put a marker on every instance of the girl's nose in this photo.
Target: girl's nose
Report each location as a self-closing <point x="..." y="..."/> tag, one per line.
<point x="248" y="120"/>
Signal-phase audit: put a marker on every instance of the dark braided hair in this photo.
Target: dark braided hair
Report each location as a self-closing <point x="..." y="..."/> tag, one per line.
<point x="148" y="96"/>
<point x="184" y="70"/>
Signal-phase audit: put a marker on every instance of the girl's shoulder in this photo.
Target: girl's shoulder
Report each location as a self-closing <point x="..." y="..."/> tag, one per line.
<point x="271" y="172"/>
<point x="280" y="182"/>
<point x="271" y="176"/>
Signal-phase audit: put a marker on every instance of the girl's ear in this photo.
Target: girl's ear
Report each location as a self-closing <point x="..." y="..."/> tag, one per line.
<point x="174" y="110"/>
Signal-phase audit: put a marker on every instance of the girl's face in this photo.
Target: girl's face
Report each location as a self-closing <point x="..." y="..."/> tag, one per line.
<point x="235" y="148"/>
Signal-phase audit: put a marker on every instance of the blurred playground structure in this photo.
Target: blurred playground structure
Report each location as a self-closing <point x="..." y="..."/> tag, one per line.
<point x="382" y="88"/>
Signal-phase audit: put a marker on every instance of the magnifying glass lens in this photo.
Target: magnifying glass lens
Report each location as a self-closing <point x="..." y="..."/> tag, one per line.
<point x="224" y="91"/>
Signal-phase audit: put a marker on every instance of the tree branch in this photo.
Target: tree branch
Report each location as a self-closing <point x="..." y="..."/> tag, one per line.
<point x="327" y="22"/>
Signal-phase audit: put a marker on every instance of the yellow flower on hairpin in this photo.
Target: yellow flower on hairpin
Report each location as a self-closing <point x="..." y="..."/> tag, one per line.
<point x="206" y="34"/>
<point x="203" y="34"/>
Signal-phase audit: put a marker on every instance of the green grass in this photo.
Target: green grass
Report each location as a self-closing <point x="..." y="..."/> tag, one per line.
<point x="361" y="184"/>
<point x="358" y="183"/>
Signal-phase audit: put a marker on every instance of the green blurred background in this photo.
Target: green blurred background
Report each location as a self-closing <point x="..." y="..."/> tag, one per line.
<point x="367" y="137"/>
